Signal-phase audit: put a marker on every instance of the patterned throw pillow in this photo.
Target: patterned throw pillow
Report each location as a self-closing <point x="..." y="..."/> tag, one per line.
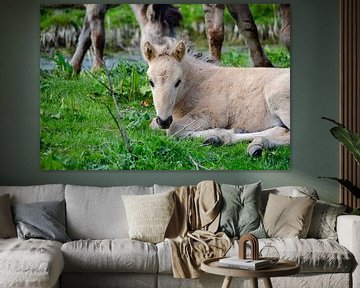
<point x="7" y="226"/>
<point x="323" y="223"/>
<point x="288" y="217"/>
<point x="240" y="213"/>
<point x="149" y="215"/>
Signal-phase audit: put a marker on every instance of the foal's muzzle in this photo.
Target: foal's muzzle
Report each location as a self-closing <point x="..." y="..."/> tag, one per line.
<point x="164" y="124"/>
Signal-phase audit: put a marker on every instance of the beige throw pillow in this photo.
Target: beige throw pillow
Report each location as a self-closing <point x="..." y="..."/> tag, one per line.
<point x="7" y="226"/>
<point x="149" y="215"/>
<point x="288" y="217"/>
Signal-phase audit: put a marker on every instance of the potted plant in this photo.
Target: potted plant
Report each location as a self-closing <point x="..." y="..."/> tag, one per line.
<point x="351" y="141"/>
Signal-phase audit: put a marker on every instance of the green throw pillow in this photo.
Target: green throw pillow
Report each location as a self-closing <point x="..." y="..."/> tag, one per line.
<point x="240" y="213"/>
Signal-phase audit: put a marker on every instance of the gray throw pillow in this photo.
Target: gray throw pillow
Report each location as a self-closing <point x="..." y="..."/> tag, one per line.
<point x="7" y="227"/>
<point x="240" y="213"/>
<point x="43" y="220"/>
<point x="323" y="222"/>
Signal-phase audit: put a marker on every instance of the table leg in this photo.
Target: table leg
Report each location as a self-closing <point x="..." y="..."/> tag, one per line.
<point x="267" y="283"/>
<point x="254" y="282"/>
<point x="227" y="282"/>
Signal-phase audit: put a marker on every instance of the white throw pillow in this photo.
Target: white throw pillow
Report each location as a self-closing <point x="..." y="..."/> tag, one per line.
<point x="149" y="215"/>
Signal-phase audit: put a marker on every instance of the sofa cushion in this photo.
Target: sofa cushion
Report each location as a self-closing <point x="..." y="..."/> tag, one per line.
<point x="149" y="215"/>
<point x="109" y="280"/>
<point x="7" y="226"/>
<point x="313" y="255"/>
<point x="323" y="222"/>
<point x="287" y="216"/>
<point x="43" y="220"/>
<point x="98" y="213"/>
<point x="35" y="193"/>
<point x="30" y="263"/>
<point x="117" y="255"/>
<point x="240" y="212"/>
<point x="290" y="191"/>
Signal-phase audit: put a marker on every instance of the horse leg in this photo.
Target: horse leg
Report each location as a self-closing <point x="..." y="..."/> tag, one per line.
<point x="84" y="44"/>
<point x="285" y="24"/>
<point x="214" y="20"/>
<point x="96" y="14"/>
<point x="242" y="15"/>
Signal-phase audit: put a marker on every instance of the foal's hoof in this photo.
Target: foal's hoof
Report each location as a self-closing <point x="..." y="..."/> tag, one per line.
<point x="255" y="150"/>
<point x="213" y="140"/>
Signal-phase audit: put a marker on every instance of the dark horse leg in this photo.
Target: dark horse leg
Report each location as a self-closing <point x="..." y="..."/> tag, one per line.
<point x="96" y="19"/>
<point x="214" y="20"/>
<point x="92" y="32"/>
<point x="164" y="19"/>
<point x="242" y="15"/>
<point x="285" y="24"/>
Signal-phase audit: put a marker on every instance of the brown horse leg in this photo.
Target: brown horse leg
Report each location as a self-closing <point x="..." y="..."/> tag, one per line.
<point x="96" y="14"/>
<point x="84" y="44"/>
<point x="214" y="20"/>
<point x="285" y="24"/>
<point x="242" y="15"/>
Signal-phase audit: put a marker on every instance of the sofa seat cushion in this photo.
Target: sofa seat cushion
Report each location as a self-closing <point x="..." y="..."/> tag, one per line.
<point x="30" y="263"/>
<point x="115" y="255"/>
<point x="313" y="255"/>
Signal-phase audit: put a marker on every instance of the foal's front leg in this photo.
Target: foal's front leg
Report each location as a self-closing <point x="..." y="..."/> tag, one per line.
<point x="272" y="137"/>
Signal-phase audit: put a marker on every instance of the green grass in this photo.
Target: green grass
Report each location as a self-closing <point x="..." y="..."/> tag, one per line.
<point x="278" y="56"/>
<point x="120" y="16"/>
<point x="65" y="17"/>
<point x="78" y="132"/>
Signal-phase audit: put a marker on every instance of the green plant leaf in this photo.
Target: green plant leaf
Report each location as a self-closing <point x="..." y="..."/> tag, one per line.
<point x="348" y="138"/>
<point x="347" y="184"/>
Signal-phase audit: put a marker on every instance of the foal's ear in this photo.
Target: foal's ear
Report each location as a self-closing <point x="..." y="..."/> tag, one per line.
<point x="149" y="51"/>
<point x="179" y="51"/>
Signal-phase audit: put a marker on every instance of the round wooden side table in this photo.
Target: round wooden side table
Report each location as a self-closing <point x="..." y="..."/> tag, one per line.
<point x="281" y="268"/>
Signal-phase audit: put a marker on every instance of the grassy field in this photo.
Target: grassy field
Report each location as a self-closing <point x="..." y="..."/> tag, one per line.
<point x="78" y="130"/>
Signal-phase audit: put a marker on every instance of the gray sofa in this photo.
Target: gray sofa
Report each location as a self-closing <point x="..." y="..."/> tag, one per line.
<point x="101" y="254"/>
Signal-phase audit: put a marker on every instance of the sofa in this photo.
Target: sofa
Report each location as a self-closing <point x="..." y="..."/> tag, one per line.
<point x="101" y="254"/>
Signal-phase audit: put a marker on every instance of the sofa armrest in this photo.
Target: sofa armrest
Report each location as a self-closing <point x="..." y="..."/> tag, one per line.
<point x="348" y="230"/>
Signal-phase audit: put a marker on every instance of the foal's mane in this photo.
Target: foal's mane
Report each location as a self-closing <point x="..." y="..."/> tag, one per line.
<point x="169" y="43"/>
<point x="198" y="55"/>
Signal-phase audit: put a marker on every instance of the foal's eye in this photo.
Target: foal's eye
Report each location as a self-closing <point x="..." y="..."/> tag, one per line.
<point x="177" y="83"/>
<point x="151" y="83"/>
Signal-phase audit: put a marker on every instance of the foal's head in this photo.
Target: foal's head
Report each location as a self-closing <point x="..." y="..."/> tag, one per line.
<point x="165" y="75"/>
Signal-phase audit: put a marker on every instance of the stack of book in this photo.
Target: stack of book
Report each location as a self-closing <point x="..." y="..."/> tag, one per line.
<point x="248" y="264"/>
